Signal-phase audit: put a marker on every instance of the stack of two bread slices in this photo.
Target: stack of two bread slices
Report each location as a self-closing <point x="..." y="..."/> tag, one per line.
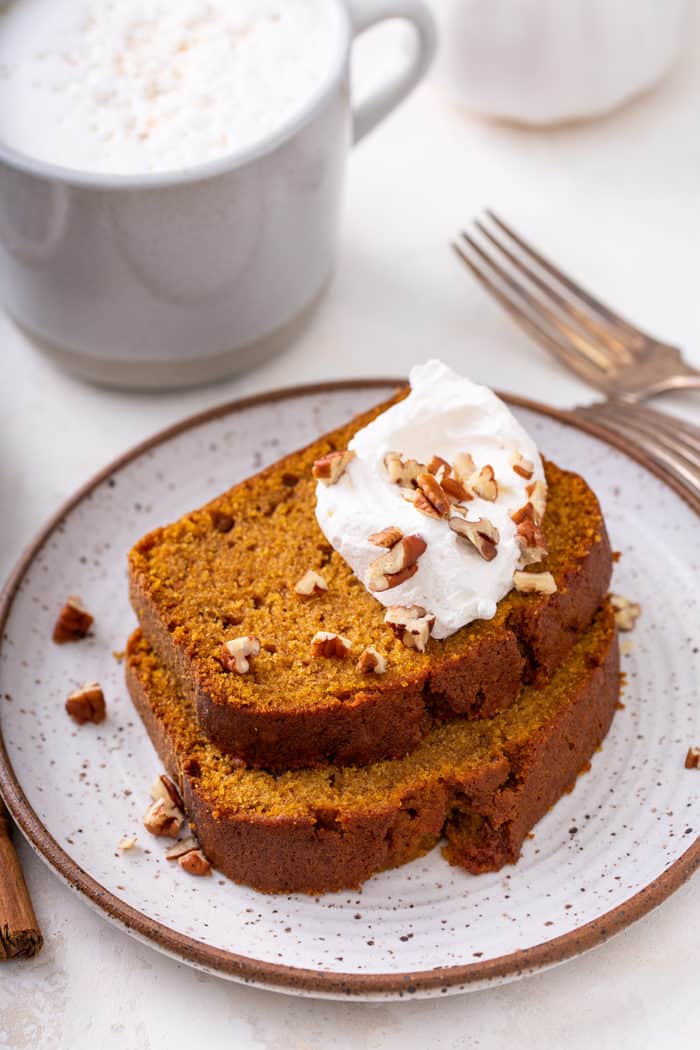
<point x="306" y="774"/>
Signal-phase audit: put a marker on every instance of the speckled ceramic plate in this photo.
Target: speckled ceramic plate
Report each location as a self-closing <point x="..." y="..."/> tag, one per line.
<point x="622" y="841"/>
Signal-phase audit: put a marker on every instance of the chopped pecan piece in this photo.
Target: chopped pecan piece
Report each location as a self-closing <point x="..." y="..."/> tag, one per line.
<point x="187" y="852"/>
<point x="87" y="704"/>
<point x="386" y="537"/>
<point x="626" y="612"/>
<point x="437" y="463"/>
<point x="484" y="484"/>
<point x="692" y="759"/>
<point x="238" y="654"/>
<point x="393" y="463"/>
<point x="537" y="491"/>
<point x="195" y="863"/>
<point x="73" y="623"/>
<point x="397" y="565"/>
<point x="411" y="624"/>
<point x="464" y="467"/>
<point x="402" y="471"/>
<point x="163" y="819"/>
<point x="534" y="582"/>
<point x="482" y="534"/>
<point x="330" y="468"/>
<point x="166" y="789"/>
<point x="454" y="488"/>
<point x="179" y="849"/>
<point x="524" y="513"/>
<point x="310" y="585"/>
<point x="371" y="661"/>
<point x="330" y="645"/>
<point x="524" y="467"/>
<point x="421" y="502"/>
<point x="532" y="541"/>
<point x="380" y="582"/>
<point x="434" y="494"/>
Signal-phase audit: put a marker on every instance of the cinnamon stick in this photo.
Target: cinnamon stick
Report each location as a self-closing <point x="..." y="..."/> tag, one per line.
<point x="20" y="936"/>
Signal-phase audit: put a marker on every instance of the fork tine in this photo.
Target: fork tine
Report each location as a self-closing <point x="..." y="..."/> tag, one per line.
<point x="678" y="459"/>
<point x="576" y="339"/>
<point x="636" y="336"/>
<point x="687" y="477"/>
<point x="674" y="442"/>
<point x="610" y="344"/>
<point x="671" y="427"/>
<point x="576" y="362"/>
<point x="682" y="470"/>
<point x="675" y="445"/>
<point x="673" y="433"/>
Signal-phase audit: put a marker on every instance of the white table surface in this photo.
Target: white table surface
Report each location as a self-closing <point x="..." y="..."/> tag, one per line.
<point x="618" y="203"/>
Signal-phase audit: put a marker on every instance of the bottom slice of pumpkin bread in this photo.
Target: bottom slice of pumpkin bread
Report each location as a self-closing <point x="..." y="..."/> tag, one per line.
<point x="481" y="784"/>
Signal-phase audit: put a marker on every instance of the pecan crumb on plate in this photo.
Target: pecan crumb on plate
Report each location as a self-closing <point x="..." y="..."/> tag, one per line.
<point x="73" y="623"/>
<point x="626" y="612"/>
<point x="87" y="704"/>
<point x="692" y="759"/>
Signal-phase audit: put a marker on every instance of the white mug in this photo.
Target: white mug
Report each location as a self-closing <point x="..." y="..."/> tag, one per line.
<point x="163" y="280"/>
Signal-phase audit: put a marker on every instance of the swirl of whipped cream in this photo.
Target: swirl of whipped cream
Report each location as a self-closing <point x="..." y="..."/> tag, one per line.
<point x="443" y="415"/>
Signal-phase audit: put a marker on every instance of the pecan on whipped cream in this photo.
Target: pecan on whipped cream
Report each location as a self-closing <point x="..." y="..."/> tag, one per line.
<point x="448" y="450"/>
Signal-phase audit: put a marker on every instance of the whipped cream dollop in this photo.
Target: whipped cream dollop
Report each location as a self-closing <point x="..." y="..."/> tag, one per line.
<point x="443" y="415"/>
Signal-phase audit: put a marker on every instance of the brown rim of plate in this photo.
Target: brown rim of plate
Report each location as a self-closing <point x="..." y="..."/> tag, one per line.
<point x="290" y="978"/>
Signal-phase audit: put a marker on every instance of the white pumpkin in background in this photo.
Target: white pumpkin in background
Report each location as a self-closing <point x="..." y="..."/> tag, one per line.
<point x="546" y="61"/>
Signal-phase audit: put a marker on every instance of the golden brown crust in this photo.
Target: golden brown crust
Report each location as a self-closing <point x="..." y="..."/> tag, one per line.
<point x="483" y="785"/>
<point x="343" y="717"/>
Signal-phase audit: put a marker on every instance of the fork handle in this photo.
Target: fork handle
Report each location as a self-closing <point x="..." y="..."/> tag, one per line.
<point x="688" y="379"/>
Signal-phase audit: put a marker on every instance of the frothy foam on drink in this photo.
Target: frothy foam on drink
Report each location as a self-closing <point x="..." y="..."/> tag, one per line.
<point x="137" y="86"/>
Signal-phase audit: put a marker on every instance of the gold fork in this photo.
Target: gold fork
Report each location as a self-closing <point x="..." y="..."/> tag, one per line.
<point x="595" y="342"/>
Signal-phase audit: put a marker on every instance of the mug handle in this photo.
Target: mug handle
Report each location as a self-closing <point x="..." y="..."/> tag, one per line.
<point x="367" y="13"/>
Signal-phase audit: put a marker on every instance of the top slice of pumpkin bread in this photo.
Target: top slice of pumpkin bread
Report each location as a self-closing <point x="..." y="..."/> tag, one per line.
<point x="229" y="569"/>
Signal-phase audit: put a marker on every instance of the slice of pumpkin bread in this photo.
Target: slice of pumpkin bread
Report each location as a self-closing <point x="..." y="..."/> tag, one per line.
<point x="482" y="783"/>
<point x="230" y="569"/>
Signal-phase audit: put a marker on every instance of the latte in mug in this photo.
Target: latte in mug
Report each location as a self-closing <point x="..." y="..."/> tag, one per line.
<point x="143" y="86"/>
